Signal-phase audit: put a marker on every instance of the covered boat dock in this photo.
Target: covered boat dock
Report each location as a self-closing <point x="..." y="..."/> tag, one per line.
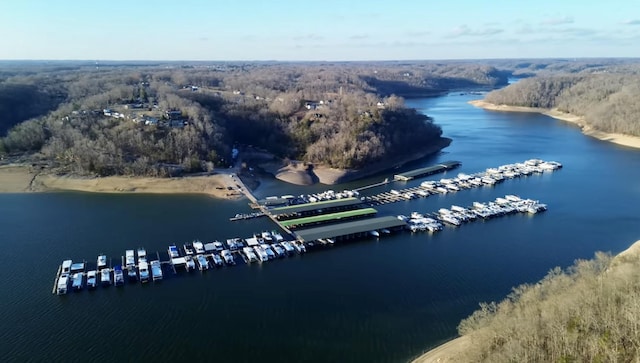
<point x="328" y="218"/>
<point x="315" y="208"/>
<point x="439" y="168"/>
<point x="351" y="229"/>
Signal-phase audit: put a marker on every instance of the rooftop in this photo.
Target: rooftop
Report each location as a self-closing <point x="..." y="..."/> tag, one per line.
<point x="347" y="228"/>
<point x="299" y="222"/>
<point x="297" y="208"/>
<point x="428" y="170"/>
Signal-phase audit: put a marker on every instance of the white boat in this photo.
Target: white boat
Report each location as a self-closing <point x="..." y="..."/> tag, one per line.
<point x="279" y="250"/>
<point x="130" y="258"/>
<point x="266" y="235"/>
<point x="270" y="253"/>
<point x="102" y="261"/>
<point x="235" y="244"/>
<point x="63" y="284"/>
<point x="217" y="260"/>
<point x="262" y="254"/>
<point x="66" y="267"/>
<point x="118" y="276"/>
<point x="188" y="249"/>
<point x="156" y="270"/>
<point x="143" y="270"/>
<point x="198" y="247"/>
<point x="92" y="280"/>
<point x="190" y="264"/>
<point x="173" y="251"/>
<point x="228" y="257"/>
<point x="105" y="277"/>
<point x="331" y="241"/>
<point x="288" y="247"/>
<point x="130" y="264"/>
<point x="203" y="264"/>
<point x="142" y="255"/>
<point x="277" y="236"/>
<point x="249" y="254"/>
<point x="299" y="246"/>
<point x="77" y="280"/>
<point x="374" y="233"/>
<point x="218" y="246"/>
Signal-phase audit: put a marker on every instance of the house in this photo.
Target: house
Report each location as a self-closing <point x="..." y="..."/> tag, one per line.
<point x="177" y="123"/>
<point x="173" y="114"/>
<point x="148" y="120"/>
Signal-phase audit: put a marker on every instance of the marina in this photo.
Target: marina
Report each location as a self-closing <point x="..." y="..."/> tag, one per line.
<point x="321" y="219"/>
<point x="267" y="246"/>
<point x="424" y="283"/>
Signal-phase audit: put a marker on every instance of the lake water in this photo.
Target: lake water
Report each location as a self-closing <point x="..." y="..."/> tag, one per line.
<point x="369" y="301"/>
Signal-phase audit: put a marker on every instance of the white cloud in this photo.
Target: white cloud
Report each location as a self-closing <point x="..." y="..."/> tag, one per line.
<point x="464" y="30"/>
<point x="558" y="21"/>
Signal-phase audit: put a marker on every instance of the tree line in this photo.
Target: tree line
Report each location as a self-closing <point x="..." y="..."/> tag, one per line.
<point x="589" y="312"/>
<point x="608" y="101"/>
<point x="344" y="115"/>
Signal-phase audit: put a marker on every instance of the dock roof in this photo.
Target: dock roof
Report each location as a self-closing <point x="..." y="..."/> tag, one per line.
<point x="299" y="222"/>
<point x="428" y="170"/>
<point x="297" y="208"/>
<point x="347" y="228"/>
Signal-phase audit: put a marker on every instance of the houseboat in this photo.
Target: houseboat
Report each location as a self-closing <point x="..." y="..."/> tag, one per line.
<point x="105" y="276"/>
<point x="77" y="281"/>
<point x="198" y="247"/>
<point x="173" y="251"/>
<point x="143" y="271"/>
<point x="118" y="275"/>
<point x="92" y="280"/>
<point x="102" y="262"/>
<point x="156" y="270"/>
<point x="228" y="257"/>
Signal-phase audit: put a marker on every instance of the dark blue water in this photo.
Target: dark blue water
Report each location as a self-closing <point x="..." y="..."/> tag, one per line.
<point x="370" y="301"/>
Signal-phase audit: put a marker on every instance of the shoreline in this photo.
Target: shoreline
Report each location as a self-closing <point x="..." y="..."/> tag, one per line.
<point x="22" y="178"/>
<point x="299" y="174"/>
<point x="620" y="139"/>
<point x="451" y="351"/>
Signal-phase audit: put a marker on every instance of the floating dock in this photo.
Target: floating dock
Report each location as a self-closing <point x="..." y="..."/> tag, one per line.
<point x="439" y="168"/>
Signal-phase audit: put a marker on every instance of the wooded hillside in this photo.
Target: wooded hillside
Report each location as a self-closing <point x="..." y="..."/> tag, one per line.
<point x="608" y="101"/>
<point x="587" y="313"/>
<point x="151" y="120"/>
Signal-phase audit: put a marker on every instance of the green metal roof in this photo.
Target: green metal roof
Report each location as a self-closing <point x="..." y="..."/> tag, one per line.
<point x="297" y="208"/>
<point x="347" y="228"/>
<point x="299" y="222"/>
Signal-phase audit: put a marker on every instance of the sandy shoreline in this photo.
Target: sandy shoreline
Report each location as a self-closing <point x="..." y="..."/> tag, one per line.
<point x="297" y="173"/>
<point x="18" y="178"/>
<point x="445" y="353"/>
<point x="620" y="139"/>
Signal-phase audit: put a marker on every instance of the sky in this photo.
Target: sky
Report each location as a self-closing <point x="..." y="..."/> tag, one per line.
<point x="326" y="30"/>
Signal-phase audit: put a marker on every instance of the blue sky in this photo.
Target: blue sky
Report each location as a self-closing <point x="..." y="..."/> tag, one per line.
<point x="320" y="30"/>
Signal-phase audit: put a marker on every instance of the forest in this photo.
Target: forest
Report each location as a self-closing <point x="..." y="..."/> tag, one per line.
<point x="607" y="99"/>
<point x="586" y="313"/>
<point x="163" y="119"/>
